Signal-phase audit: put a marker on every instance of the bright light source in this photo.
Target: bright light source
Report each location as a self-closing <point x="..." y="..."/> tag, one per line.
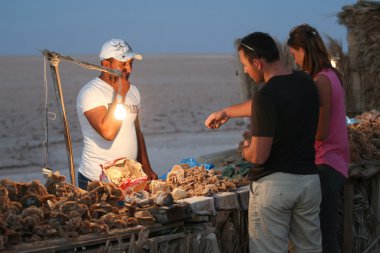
<point x="334" y="61"/>
<point x="120" y="112"/>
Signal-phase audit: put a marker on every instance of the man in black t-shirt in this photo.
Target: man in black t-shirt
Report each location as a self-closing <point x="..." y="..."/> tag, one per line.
<point x="285" y="191"/>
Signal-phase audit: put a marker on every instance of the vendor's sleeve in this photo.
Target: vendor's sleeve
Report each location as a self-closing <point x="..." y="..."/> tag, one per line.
<point x="264" y="116"/>
<point x="90" y="98"/>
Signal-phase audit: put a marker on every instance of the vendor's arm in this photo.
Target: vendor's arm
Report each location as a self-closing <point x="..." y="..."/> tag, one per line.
<point x="216" y="119"/>
<point x="257" y="150"/>
<point x="324" y="91"/>
<point x="101" y="118"/>
<point x="142" y="155"/>
<point x="103" y="121"/>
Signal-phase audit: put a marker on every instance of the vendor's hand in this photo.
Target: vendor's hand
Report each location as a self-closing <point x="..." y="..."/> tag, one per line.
<point x="246" y="144"/>
<point x="242" y="153"/>
<point x="123" y="81"/>
<point x="216" y="119"/>
<point x="152" y="176"/>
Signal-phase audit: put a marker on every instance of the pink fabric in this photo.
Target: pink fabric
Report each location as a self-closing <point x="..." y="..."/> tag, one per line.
<point x="334" y="151"/>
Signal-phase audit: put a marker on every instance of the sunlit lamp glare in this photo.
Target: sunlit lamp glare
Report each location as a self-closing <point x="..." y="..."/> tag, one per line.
<point x="120" y="112"/>
<point x="333" y="62"/>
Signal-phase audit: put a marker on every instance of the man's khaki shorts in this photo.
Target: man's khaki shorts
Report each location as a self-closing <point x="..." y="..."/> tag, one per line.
<point x="284" y="208"/>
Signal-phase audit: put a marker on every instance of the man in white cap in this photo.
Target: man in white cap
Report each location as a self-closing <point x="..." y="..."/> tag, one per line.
<point x="106" y="136"/>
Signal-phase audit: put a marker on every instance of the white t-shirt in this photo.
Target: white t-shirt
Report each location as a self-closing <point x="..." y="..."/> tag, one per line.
<point x="96" y="149"/>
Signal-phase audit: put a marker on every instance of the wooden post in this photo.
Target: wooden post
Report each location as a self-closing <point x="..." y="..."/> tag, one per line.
<point x="355" y="99"/>
<point x="54" y="62"/>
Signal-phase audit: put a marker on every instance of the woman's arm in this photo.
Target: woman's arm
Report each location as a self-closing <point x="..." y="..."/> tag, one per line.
<point x="324" y="90"/>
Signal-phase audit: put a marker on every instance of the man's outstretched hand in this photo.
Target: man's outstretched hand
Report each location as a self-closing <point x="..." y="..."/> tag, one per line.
<point x="216" y="119"/>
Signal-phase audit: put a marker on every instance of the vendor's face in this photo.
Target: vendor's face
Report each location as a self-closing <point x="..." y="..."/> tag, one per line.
<point x="125" y="67"/>
<point x="298" y="55"/>
<point x="251" y="68"/>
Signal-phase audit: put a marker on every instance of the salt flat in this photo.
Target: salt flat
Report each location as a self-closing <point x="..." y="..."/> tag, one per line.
<point x="178" y="92"/>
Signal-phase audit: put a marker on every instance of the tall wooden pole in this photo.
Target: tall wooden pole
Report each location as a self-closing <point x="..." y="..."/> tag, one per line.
<point x="54" y="59"/>
<point x="54" y="62"/>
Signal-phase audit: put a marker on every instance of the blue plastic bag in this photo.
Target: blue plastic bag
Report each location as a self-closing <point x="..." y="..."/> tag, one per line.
<point x="190" y="161"/>
<point x="193" y="162"/>
<point x="351" y="121"/>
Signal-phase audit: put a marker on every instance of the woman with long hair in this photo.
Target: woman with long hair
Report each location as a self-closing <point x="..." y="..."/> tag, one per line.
<point x="331" y="146"/>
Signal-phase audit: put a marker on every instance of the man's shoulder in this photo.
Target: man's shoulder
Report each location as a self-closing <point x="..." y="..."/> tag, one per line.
<point x="292" y="80"/>
<point x="91" y="89"/>
<point x="295" y="74"/>
<point x="303" y="77"/>
<point x="93" y="84"/>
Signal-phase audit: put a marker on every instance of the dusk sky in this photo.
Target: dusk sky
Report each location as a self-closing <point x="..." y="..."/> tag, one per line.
<point x="78" y="27"/>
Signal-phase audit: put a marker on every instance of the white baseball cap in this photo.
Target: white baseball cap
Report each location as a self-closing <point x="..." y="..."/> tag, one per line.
<point x="118" y="49"/>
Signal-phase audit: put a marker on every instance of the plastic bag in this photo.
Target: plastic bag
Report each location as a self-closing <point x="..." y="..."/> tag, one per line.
<point x="125" y="173"/>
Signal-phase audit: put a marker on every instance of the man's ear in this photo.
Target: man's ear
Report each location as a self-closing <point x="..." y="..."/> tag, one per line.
<point x="259" y="65"/>
<point x="256" y="63"/>
<point x="105" y="63"/>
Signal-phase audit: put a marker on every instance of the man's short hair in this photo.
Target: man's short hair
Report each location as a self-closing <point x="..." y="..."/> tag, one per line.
<point x="259" y="45"/>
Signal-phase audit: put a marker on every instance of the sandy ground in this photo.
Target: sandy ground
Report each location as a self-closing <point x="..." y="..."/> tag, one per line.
<point x="178" y="93"/>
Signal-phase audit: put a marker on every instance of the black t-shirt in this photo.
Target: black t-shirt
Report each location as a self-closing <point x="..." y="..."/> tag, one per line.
<point x="287" y="109"/>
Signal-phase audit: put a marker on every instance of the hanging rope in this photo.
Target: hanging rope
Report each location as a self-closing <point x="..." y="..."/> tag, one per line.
<point x="54" y="59"/>
<point x="48" y="116"/>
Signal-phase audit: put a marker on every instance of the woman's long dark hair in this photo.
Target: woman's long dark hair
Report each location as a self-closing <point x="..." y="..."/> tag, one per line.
<point x="316" y="57"/>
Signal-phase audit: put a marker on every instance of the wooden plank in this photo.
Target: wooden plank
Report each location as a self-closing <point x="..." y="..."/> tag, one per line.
<point x="168" y="237"/>
<point x="200" y="205"/>
<point x="151" y="242"/>
<point x="226" y="200"/>
<point x="89" y="240"/>
<point x="199" y="218"/>
<point x="243" y="193"/>
<point x="366" y="169"/>
<point x="170" y="214"/>
<point x="61" y="244"/>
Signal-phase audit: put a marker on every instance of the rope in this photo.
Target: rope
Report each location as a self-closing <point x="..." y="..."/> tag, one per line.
<point x="48" y="115"/>
<point x="82" y="64"/>
<point x="54" y="60"/>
